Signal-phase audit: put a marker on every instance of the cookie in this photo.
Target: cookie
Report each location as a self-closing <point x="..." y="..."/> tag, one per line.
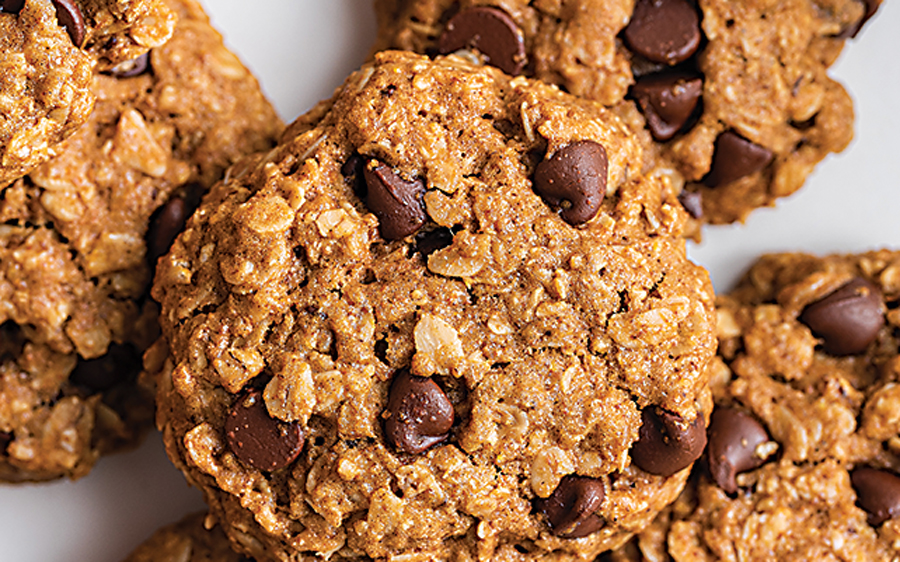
<point x="733" y="99"/>
<point x="50" y="51"/>
<point x="447" y="317"/>
<point x="188" y="540"/>
<point x="79" y="237"/>
<point x="803" y="461"/>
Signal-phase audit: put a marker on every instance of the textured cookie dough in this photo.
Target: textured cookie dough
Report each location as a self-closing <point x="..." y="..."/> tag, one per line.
<point x="808" y="375"/>
<point x="192" y="539"/>
<point x="689" y="73"/>
<point x="386" y="342"/>
<point x="48" y="53"/>
<point x="76" y="256"/>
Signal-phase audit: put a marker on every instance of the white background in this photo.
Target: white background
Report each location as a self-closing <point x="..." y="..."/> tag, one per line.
<point x="301" y="50"/>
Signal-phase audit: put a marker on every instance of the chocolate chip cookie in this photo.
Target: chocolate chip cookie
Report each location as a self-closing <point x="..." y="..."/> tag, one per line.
<point x="732" y="98"/>
<point x="447" y="317"/>
<point x="803" y="461"/>
<point x="80" y="235"/>
<point x="50" y="51"/>
<point x="188" y="540"/>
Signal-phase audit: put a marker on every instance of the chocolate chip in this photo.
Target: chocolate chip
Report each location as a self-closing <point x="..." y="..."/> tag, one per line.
<point x="692" y="201"/>
<point x="418" y="414"/>
<point x="733" y="439"/>
<point x="853" y="30"/>
<point x="258" y="439"/>
<point x="11" y="6"/>
<point x="121" y="363"/>
<point x="878" y="492"/>
<point x="169" y="220"/>
<point x="574" y="180"/>
<point x="489" y="30"/>
<point x="429" y="242"/>
<point x="848" y="319"/>
<point x="666" y="444"/>
<point x="5" y="439"/>
<point x="734" y="158"/>
<point x="69" y="16"/>
<point x="571" y="508"/>
<point x="668" y="100"/>
<point x="131" y="68"/>
<point x="664" y="30"/>
<point x="395" y="201"/>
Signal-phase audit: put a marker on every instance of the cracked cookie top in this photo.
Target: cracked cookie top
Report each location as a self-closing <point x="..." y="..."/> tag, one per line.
<point x="446" y="315"/>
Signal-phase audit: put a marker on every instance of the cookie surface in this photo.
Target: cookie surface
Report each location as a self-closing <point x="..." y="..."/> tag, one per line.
<point x="804" y="459"/>
<point x="188" y="540"/>
<point x="79" y="236"/>
<point x="50" y="51"/>
<point x="431" y="321"/>
<point x="745" y="80"/>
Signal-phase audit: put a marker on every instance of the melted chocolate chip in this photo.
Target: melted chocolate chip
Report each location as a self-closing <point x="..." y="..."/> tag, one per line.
<point x="668" y="100"/>
<point x="418" y="415"/>
<point x="665" y="31"/>
<point x="169" y="220"/>
<point x="848" y="319"/>
<point x="853" y="30"/>
<point x="258" y="439"/>
<point x="131" y="68"/>
<point x="121" y="363"/>
<point x="666" y="444"/>
<point x="429" y="242"/>
<point x="571" y="510"/>
<point x="574" y="180"/>
<point x="489" y="30"/>
<point x="734" y="158"/>
<point x="69" y="16"/>
<point x="11" y="6"/>
<point x="5" y="439"/>
<point x="395" y="201"/>
<point x="692" y="201"/>
<point x="878" y="492"/>
<point x="733" y="439"/>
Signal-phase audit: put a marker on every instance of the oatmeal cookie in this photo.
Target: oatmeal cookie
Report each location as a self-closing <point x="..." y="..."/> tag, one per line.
<point x="79" y="237"/>
<point x="190" y="540"/>
<point x="447" y="318"/>
<point x="732" y="98"/>
<point x="803" y="461"/>
<point x="49" y="53"/>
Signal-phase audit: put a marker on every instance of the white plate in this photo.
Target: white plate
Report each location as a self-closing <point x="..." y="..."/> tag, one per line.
<point x="301" y="50"/>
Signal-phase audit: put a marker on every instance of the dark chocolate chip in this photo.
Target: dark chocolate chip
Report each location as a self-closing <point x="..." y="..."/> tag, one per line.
<point x="692" y="201"/>
<point x="429" y="242"/>
<point x="734" y="158"/>
<point x="571" y="510"/>
<point x="666" y="444"/>
<point x="121" y="363"/>
<point x="11" y="6"/>
<point x="258" y="439"/>
<point x="878" y="492"/>
<point x="489" y="30"/>
<point x="131" y="68"/>
<point x="395" y="201"/>
<point x="733" y="439"/>
<point x="848" y="319"/>
<point x="169" y="220"/>
<point x="69" y="16"/>
<point x="5" y="439"/>
<point x="418" y="414"/>
<point x="668" y="100"/>
<point x="664" y="30"/>
<point x="853" y="30"/>
<point x="574" y="180"/>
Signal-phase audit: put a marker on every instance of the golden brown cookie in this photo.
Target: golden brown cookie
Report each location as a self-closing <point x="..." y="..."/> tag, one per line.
<point x="190" y="540"/>
<point x="803" y="461"/>
<point x="50" y="50"/>
<point x="79" y="237"/>
<point x="448" y="316"/>
<point x="732" y="99"/>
